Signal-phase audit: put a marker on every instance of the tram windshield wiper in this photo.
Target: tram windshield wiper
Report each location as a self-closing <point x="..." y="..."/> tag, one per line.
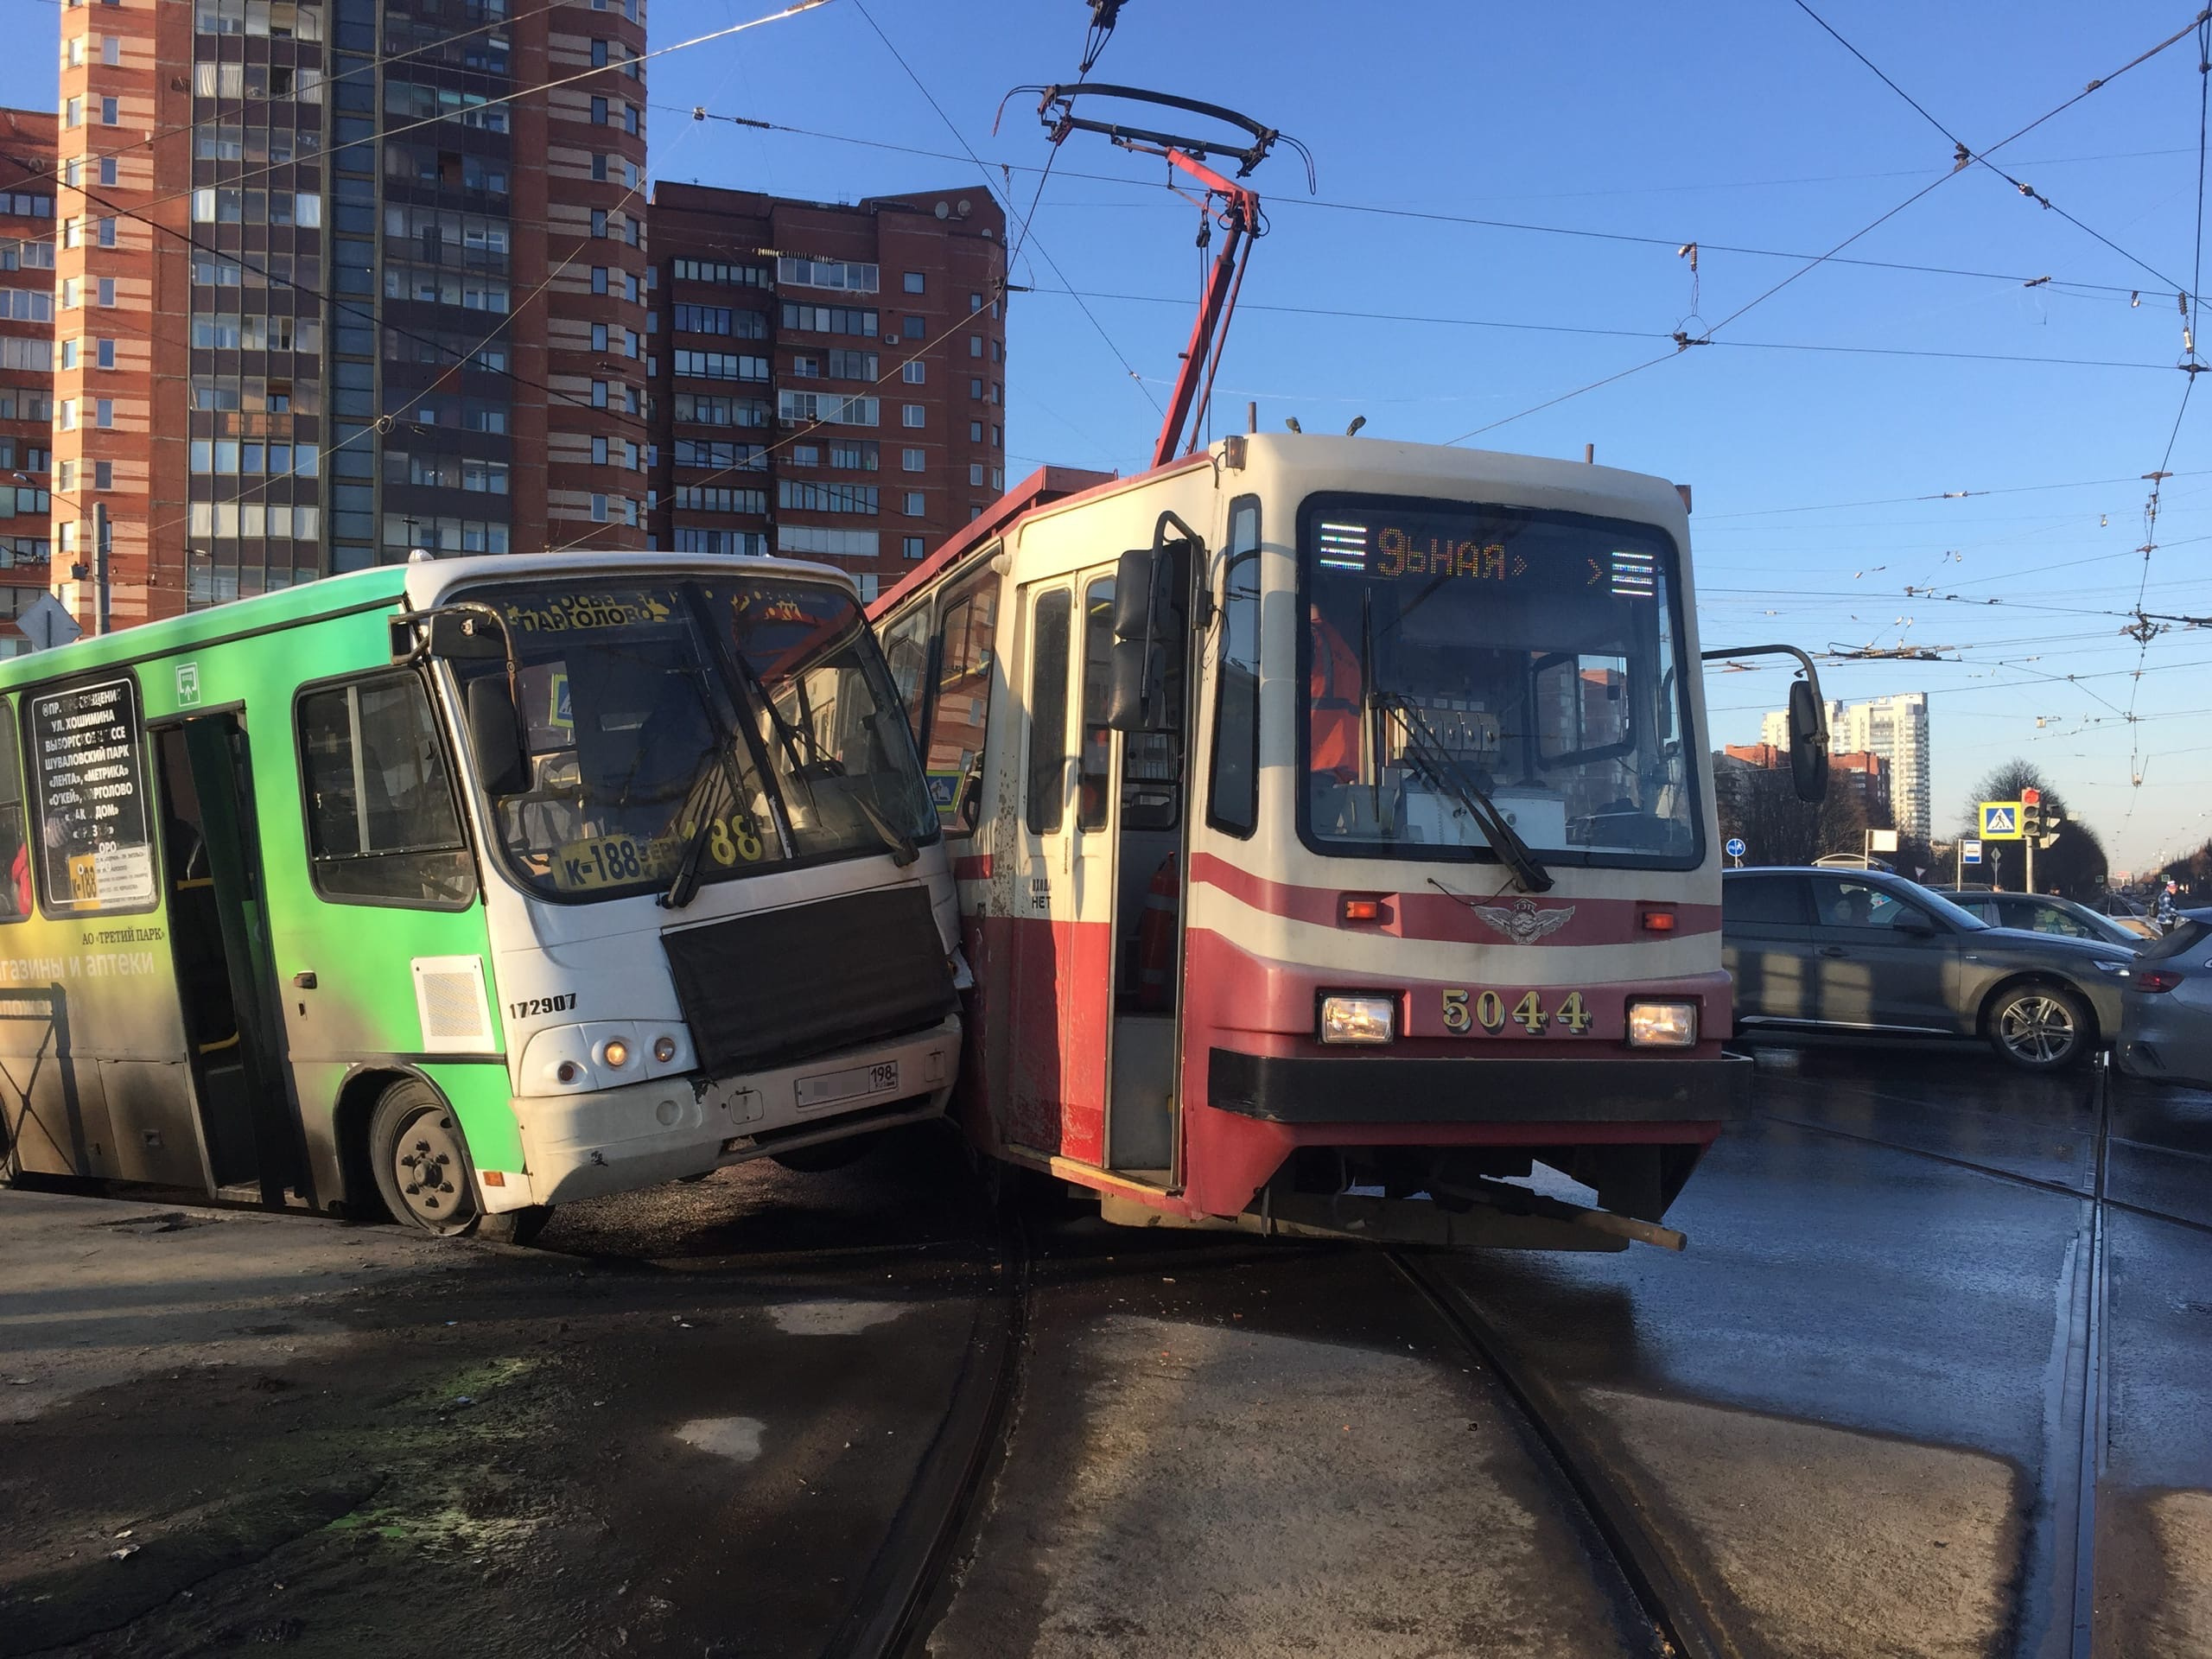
<point x="1435" y="762"/>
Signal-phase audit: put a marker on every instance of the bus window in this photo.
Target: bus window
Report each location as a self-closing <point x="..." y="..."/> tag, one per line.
<point x="380" y="819"/>
<point x="907" y="653"/>
<point x="95" y="854"/>
<point x="15" y="851"/>
<point x="1048" y="714"/>
<point x="967" y="649"/>
<point x="1233" y="796"/>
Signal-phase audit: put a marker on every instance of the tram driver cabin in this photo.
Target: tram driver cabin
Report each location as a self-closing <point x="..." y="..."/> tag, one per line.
<point x="1334" y="830"/>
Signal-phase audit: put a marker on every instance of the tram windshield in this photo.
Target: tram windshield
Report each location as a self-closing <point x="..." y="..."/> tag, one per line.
<point x="753" y="717"/>
<point x="1533" y="656"/>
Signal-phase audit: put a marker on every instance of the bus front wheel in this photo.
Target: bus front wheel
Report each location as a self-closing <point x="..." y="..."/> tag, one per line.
<point x="423" y="1171"/>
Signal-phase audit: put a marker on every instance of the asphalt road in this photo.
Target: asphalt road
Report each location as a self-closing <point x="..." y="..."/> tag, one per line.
<point x="1855" y="1413"/>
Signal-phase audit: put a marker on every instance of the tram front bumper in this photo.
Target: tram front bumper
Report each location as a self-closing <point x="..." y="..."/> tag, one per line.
<point x="1375" y="1089"/>
<point x="605" y="1141"/>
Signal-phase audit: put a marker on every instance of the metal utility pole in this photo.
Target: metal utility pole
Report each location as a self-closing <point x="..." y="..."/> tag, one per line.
<point x="101" y="542"/>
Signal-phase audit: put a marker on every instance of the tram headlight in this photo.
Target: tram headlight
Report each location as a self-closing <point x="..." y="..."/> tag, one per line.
<point x="1661" y="1025"/>
<point x="1347" y="1019"/>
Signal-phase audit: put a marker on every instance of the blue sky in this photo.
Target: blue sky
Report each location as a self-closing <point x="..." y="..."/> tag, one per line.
<point x="1727" y="123"/>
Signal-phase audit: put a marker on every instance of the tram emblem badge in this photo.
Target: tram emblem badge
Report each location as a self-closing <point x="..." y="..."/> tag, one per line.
<point x="1521" y="922"/>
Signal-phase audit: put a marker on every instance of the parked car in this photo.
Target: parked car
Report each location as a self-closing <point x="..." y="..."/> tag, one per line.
<point x="2040" y="912"/>
<point x="1821" y="949"/>
<point x="2166" y="1022"/>
<point x="2128" y="913"/>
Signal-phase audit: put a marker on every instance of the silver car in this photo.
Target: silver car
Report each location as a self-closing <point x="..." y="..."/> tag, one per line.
<point x="2041" y="912"/>
<point x="1864" y="950"/>
<point x="2165" y="1026"/>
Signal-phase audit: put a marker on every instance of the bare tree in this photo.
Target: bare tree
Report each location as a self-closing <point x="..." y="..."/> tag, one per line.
<point x="2074" y="864"/>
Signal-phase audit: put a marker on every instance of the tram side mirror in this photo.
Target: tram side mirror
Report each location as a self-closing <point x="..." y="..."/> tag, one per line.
<point x="1809" y="744"/>
<point x="495" y="736"/>
<point x="1147" y="637"/>
<point x="463" y="637"/>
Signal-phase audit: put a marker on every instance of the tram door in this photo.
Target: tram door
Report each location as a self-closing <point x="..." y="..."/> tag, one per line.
<point x="1092" y="975"/>
<point x="219" y="933"/>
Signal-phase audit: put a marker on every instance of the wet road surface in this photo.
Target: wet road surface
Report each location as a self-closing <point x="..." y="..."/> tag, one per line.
<point x="1854" y="1416"/>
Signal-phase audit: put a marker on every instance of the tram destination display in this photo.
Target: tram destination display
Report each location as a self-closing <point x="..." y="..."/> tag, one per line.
<point x="93" y="843"/>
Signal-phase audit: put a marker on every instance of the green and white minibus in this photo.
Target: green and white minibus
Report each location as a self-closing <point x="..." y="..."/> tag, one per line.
<point x="458" y="889"/>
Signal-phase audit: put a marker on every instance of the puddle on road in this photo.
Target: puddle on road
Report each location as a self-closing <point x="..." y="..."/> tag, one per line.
<point x="1831" y="1541"/>
<point x="833" y="1319"/>
<point x="737" y="1439"/>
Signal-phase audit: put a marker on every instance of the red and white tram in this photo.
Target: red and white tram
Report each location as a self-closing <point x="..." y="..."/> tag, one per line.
<point x="1334" y="828"/>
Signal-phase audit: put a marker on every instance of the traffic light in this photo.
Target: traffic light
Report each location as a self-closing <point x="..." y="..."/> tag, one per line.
<point x="2031" y="814"/>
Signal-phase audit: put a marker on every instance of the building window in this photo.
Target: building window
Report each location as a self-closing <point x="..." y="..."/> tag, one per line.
<point x="974" y="303"/>
<point x="599" y="222"/>
<point x="68" y="354"/>
<point x="913" y="460"/>
<point x="103" y="474"/>
<point x="107" y="233"/>
<point x="599" y="111"/>
<point x="915" y="328"/>
<point x="72" y="113"/>
<point x="806" y="454"/>
<point x="913" y="374"/>
<point x="975" y="344"/>
<point x="108" y="113"/>
<point x="912" y="546"/>
<point x="598" y="394"/>
<point x="107" y="169"/>
<point x="104" y="352"/>
<point x="599" y="452"/>
<point x="974" y="388"/>
<point x="916" y="506"/>
<point x="107" y="290"/>
<point x="912" y="415"/>
<point x="599" y="336"/>
<point x="853" y="275"/>
<point x="66" y="414"/>
<point x="913" y="283"/>
<point x="975" y="473"/>
<point x="975" y="431"/>
<point x="104" y="412"/>
<point x="599" y="509"/>
<point x="111" y="50"/>
<point x="599" y="279"/>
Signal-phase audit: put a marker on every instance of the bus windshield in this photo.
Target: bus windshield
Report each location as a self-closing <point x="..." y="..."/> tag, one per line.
<point x="1531" y="657"/>
<point x="751" y="714"/>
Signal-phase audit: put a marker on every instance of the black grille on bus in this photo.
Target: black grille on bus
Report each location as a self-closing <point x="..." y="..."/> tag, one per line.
<point x="785" y="985"/>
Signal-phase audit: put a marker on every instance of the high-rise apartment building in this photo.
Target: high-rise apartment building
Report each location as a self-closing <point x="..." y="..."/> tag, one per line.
<point x="1895" y="729"/>
<point x="829" y="381"/>
<point x="339" y="278"/>
<point x="26" y="361"/>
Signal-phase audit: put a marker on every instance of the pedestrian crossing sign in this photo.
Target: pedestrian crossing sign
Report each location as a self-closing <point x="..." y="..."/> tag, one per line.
<point x="2001" y="821"/>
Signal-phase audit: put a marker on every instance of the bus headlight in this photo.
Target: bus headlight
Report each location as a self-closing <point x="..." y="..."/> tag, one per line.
<point x="1359" y="1019"/>
<point x="1661" y="1025"/>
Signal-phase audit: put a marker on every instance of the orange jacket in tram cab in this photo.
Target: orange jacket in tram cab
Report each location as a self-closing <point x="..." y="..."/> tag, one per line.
<point x="1338" y="713"/>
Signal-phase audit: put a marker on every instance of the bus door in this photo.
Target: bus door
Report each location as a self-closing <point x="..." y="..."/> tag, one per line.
<point x="219" y="937"/>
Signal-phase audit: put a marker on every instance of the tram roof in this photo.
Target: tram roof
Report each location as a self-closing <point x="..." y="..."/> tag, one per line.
<point x="421" y="584"/>
<point x="1381" y="464"/>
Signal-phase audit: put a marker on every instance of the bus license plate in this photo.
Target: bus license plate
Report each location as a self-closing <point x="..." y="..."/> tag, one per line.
<point x="828" y="1086"/>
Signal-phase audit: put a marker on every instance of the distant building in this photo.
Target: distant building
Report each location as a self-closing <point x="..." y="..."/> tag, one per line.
<point x="1893" y="728"/>
<point x="830" y="379"/>
<point x="1866" y="775"/>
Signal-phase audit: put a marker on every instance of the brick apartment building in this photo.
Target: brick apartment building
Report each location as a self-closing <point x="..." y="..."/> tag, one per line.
<point x="26" y="362"/>
<point x="1866" y="775"/>
<point x="319" y="287"/>
<point x="325" y="292"/>
<point x="830" y="381"/>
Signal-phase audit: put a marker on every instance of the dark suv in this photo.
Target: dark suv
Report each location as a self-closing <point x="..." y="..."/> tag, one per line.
<point x="1864" y="950"/>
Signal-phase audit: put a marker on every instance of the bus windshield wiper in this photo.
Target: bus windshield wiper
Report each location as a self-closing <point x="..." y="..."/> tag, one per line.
<point x="685" y="887"/>
<point x="902" y="849"/>
<point x="1435" y="762"/>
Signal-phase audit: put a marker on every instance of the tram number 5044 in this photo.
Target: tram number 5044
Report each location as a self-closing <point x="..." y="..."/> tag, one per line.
<point x="1487" y="1009"/>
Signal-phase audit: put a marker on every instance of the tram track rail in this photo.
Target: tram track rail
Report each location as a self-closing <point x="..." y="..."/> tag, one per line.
<point x="2056" y="1609"/>
<point x="914" y="1572"/>
<point x="1633" y="1538"/>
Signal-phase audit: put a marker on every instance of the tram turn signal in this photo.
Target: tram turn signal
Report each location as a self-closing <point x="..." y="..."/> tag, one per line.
<point x="1359" y="1019"/>
<point x="1661" y="1025"/>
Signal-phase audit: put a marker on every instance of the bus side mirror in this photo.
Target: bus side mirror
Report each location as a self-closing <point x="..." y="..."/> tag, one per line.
<point x="1147" y="637"/>
<point x="1808" y="743"/>
<point x="462" y="636"/>
<point x="495" y="736"/>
